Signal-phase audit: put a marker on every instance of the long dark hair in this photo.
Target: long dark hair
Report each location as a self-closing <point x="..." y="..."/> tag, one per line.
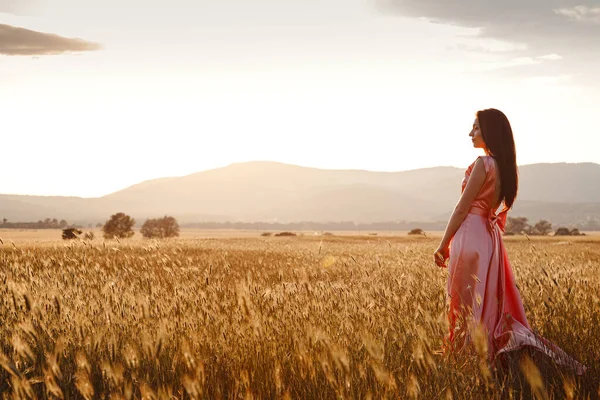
<point x="498" y="137"/>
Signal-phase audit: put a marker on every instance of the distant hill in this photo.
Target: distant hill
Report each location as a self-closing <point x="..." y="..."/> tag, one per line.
<point x="275" y="192"/>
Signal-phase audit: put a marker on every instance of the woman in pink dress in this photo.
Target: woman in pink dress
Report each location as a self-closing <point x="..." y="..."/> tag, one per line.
<point x="481" y="286"/>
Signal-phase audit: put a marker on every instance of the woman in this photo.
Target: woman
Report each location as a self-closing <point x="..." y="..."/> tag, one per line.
<point x="481" y="286"/>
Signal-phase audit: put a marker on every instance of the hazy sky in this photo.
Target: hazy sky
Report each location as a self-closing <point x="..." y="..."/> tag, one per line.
<point x="151" y="89"/>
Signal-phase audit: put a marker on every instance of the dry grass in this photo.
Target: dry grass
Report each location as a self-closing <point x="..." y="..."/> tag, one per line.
<point x="305" y="317"/>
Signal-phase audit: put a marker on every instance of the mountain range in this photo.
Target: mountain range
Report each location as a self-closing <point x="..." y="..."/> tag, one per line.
<point x="562" y="193"/>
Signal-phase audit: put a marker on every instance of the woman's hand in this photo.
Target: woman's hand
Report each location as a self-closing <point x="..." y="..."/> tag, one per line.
<point x="441" y="254"/>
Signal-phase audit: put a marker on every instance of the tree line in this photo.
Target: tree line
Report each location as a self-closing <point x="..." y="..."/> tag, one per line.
<point x="317" y="226"/>
<point x="48" y="223"/>
<point x="120" y="226"/>
<point x="520" y="226"/>
<point x="514" y="226"/>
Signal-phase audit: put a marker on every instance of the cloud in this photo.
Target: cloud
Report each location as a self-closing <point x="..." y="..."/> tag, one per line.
<point x="512" y="63"/>
<point x="550" y="57"/>
<point x="19" y="41"/>
<point x="14" y="6"/>
<point x="545" y="26"/>
<point x="580" y="13"/>
<point x="548" y="37"/>
<point x="550" y="80"/>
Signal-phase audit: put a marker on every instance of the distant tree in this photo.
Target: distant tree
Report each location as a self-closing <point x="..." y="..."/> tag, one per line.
<point x="63" y="224"/>
<point x="151" y="229"/>
<point x="165" y="227"/>
<point x="4" y="221"/>
<point x="416" y="231"/>
<point x="285" y="234"/>
<point x="542" y="228"/>
<point x="99" y="225"/>
<point x="517" y="225"/>
<point x="119" y="225"/>
<point x="562" y="231"/>
<point x="71" y="233"/>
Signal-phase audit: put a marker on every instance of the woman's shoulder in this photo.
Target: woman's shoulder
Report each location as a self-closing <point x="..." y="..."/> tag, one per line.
<point x="488" y="163"/>
<point x="480" y="159"/>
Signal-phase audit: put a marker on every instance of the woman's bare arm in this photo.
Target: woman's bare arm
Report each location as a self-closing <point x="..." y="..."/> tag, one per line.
<point x="476" y="181"/>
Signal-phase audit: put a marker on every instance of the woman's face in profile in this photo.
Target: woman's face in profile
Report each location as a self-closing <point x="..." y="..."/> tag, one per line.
<point x="476" y="136"/>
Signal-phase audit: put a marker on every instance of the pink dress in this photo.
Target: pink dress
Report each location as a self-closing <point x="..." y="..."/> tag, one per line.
<point x="481" y="284"/>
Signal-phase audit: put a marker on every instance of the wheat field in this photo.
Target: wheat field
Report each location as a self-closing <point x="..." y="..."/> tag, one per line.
<point x="265" y="317"/>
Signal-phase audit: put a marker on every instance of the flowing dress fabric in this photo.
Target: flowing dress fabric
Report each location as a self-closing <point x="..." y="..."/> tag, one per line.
<point x="481" y="284"/>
